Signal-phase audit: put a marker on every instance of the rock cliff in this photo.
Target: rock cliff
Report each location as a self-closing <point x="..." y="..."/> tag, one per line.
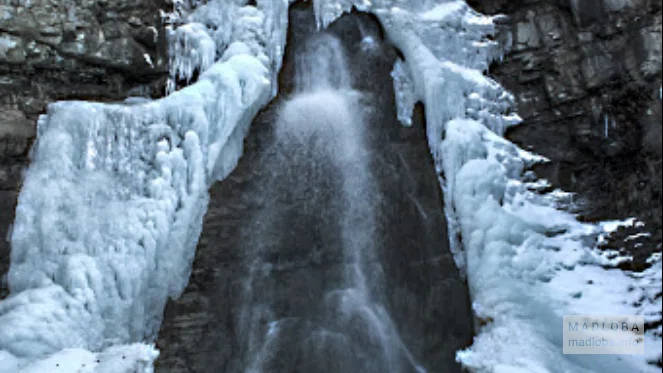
<point x="587" y="77"/>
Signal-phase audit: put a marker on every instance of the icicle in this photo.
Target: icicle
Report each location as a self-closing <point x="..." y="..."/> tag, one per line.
<point x="191" y="50"/>
<point x="404" y="89"/>
<point x="276" y="26"/>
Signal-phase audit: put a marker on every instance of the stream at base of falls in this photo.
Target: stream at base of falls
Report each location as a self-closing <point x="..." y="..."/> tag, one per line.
<point x="326" y="251"/>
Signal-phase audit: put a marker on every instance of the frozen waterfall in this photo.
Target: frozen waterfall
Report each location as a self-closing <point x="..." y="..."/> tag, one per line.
<point x="111" y="208"/>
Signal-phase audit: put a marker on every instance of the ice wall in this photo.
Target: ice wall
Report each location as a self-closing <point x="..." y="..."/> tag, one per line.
<point x="527" y="262"/>
<point x="112" y="205"/>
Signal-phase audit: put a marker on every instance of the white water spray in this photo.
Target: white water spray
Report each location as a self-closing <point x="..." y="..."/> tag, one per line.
<point x="321" y="130"/>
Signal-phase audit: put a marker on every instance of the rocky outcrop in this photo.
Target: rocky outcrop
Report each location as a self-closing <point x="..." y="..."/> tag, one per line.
<point x="587" y="77"/>
<point x="54" y="50"/>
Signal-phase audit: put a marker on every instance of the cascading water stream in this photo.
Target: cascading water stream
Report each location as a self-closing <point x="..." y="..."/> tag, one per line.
<point x="321" y="168"/>
<point x="325" y="250"/>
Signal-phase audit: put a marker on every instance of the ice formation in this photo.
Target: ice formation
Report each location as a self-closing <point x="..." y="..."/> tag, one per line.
<point x="404" y="90"/>
<point x="527" y="263"/>
<point x="112" y="205"/>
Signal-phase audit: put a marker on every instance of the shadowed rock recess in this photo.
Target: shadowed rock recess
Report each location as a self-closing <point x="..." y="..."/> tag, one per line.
<point x="274" y="287"/>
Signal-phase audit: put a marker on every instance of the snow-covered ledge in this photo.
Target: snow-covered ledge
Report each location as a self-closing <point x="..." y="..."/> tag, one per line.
<point x="112" y="206"/>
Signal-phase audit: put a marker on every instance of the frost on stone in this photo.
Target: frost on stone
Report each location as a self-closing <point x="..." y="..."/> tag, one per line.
<point x="111" y="210"/>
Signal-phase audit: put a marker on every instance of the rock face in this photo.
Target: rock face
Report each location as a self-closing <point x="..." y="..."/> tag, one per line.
<point x="293" y="217"/>
<point x="54" y="50"/>
<point x="587" y="77"/>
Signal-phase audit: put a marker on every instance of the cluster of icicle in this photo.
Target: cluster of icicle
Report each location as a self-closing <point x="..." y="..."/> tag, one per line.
<point x="112" y="205"/>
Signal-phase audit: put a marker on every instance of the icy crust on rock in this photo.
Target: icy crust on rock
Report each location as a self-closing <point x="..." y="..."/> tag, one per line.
<point x="404" y="90"/>
<point x="528" y="264"/>
<point x="191" y="49"/>
<point x="111" y="210"/>
<point x="456" y="90"/>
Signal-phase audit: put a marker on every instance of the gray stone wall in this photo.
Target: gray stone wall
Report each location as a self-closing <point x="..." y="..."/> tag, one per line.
<point x="50" y="50"/>
<point x="576" y="65"/>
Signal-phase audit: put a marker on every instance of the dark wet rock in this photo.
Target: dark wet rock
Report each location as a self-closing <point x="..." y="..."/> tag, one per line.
<point x="587" y="78"/>
<point x="7" y="206"/>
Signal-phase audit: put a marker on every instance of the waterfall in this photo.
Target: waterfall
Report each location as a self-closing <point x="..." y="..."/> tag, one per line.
<point x="321" y="168"/>
<point x="111" y="209"/>
<point x="322" y="64"/>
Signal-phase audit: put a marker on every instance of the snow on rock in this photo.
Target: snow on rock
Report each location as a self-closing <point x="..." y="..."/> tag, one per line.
<point x="136" y="358"/>
<point x="111" y="208"/>
<point x="529" y="264"/>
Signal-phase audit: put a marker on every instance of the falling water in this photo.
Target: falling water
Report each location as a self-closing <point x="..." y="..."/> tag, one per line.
<point x="321" y="169"/>
<point x="321" y="65"/>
